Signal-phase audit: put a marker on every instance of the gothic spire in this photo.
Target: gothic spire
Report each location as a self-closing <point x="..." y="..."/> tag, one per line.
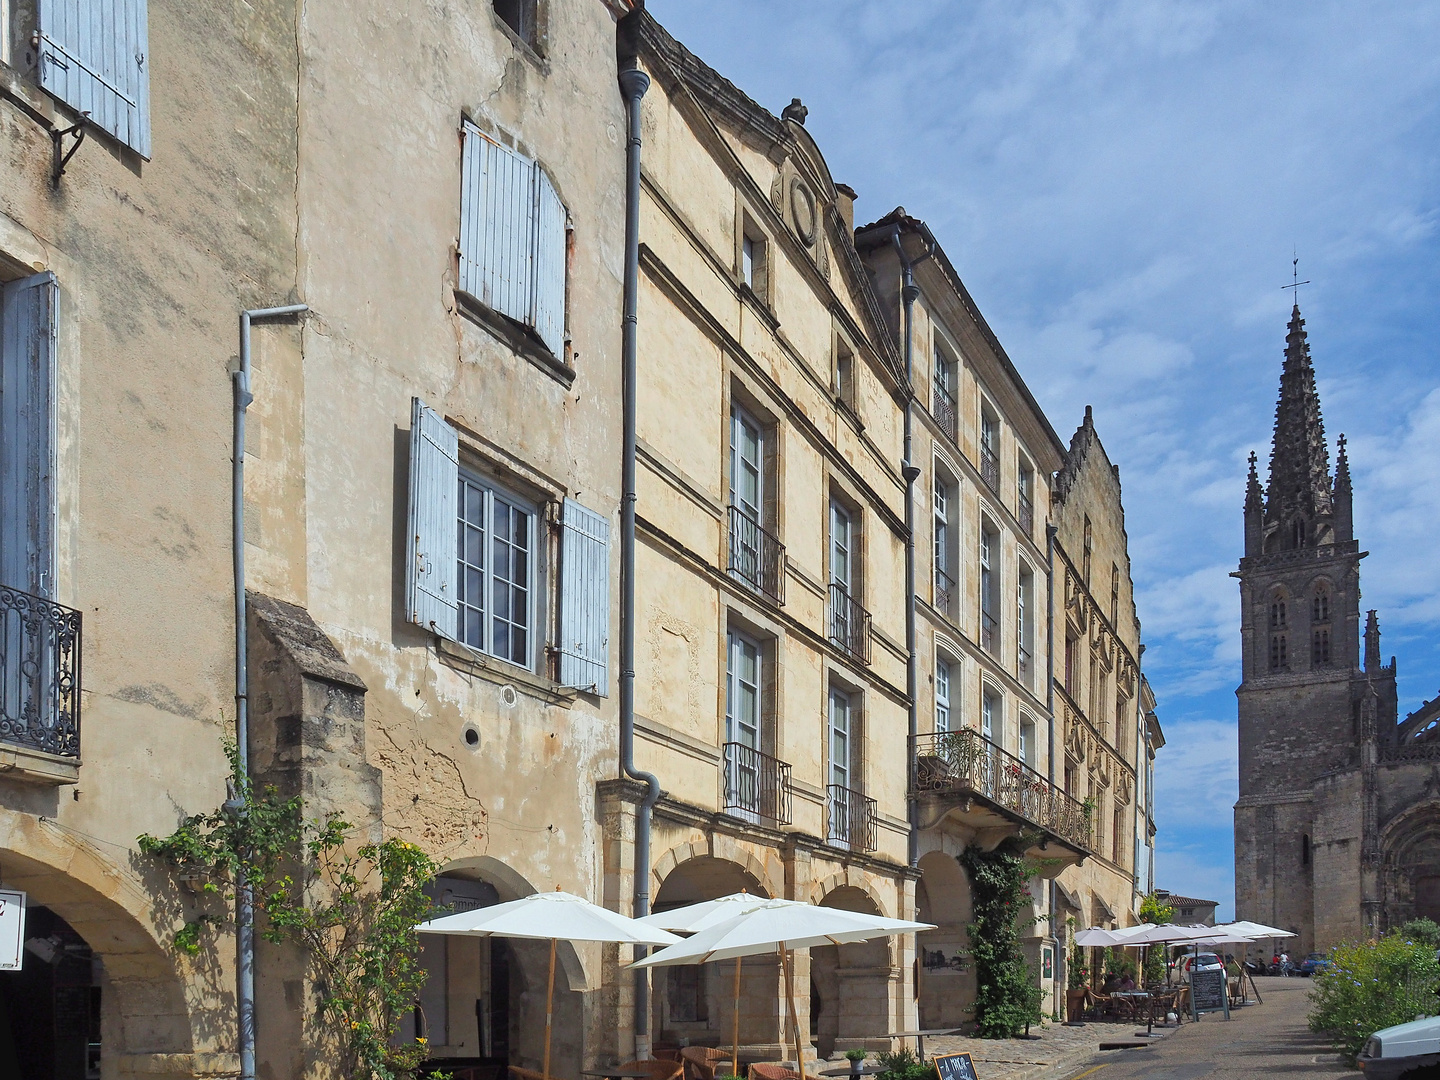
<point x="1299" y="488"/>
<point x="1342" y="467"/>
<point x="1254" y="494"/>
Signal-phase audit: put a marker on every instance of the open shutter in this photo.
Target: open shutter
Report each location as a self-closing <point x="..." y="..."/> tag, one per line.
<point x="28" y="311"/>
<point x="497" y="225"/>
<point x="94" y="58"/>
<point x="434" y="477"/>
<point x="584" y="598"/>
<point x="549" y="265"/>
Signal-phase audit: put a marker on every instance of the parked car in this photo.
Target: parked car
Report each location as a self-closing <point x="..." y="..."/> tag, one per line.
<point x="1316" y="961"/>
<point x="1409" y="1051"/>
<point x="1205" y="961"/>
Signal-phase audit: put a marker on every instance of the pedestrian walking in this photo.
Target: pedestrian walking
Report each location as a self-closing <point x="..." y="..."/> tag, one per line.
<point x="1285" y="964"/>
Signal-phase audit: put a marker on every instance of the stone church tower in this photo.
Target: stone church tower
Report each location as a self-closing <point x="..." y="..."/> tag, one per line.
<point x="1320" y="778"/>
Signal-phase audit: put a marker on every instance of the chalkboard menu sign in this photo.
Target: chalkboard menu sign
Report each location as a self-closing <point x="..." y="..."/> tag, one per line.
<point x="955" y="1067"/>
<point x="1208" y="994"/>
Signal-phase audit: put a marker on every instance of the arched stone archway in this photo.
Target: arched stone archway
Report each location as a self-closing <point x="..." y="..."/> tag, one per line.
<point x="1410" y="846"/>
<point x="851" y="985"/>
<point x="87" y="905"/>
<point x="946" y="977"/>
<point x="696" y="1003"/>
<point x="485" y="997"/>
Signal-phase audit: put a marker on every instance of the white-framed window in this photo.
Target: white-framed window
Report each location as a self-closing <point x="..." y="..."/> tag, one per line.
<point x="990" y="717"/>
<point x="495" y="574"/>
<point x="477" y="574"/>
<point x="945" y="686"/>
<point x="512" y="237"/>
<point x="747" y="476"/>
<point x="841" y="749"/>
<point x="945" y="577"/>
<point x="743" y="691"/>
<point x="1027" y="741"/>
<point x="842" y="546"/>
<point x="989" y="589"/>
<point x="754" y="269"/>
<point x="1024" y="626"/>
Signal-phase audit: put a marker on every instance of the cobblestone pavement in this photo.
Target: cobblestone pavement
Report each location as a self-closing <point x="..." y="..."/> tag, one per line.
<point x="1258" y="1041"/>
<point x="1052" y="1052"/>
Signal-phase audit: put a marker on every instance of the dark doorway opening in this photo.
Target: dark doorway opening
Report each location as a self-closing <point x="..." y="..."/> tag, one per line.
<point x="50" y="1008"/>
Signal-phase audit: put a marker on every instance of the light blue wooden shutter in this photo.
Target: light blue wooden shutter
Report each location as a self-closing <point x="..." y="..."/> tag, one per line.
<point x="549" y="265"/>
<point x="29" y="309"/>
<point x="497" y="226"/>
<point x="94" y="58"/>
<point x="584" y="598"/>
<point x="434" y="478"/>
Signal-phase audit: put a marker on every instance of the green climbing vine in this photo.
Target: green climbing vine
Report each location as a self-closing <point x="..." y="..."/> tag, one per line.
<point x="1008" y="995"/>
<point x="351" y="907"/>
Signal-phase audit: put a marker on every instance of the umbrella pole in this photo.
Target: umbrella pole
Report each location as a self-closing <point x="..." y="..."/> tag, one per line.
<point x="735" y="1030"/>
<point x="549" y="1007"/>
<point x="789" y="972"/>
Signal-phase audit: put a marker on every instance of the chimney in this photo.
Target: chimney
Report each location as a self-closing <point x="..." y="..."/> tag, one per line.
<point x="845" y="203"/>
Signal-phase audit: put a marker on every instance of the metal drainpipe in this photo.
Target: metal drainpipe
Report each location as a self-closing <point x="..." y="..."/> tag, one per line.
<point x="245" y="911"/>
<point x="1060" y="957"/>
<point x="633" y="84"/>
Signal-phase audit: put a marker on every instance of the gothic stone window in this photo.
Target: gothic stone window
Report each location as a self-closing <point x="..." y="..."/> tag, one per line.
<point x="1320" y="647"/>
<point x="1320" y="606"/>
<point x="1279" y="660"/>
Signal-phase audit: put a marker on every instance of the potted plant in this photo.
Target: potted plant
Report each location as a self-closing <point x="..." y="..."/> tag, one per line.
<point x="1077" y="978"/>
<point x="856" y="1059"/>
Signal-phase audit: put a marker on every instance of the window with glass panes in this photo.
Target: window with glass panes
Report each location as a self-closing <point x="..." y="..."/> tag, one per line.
<point x="989" y="714"/>
<point x="943" y="670"/>
<point x="842" y="555"/>
<point x="746" y="444"/>
<point x="742" y="699"/>
<point x="840" y="747"/>
<point x="495" y="589"/>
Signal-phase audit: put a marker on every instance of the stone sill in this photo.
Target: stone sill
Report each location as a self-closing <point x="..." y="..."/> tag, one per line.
<point x="37" y="767"/>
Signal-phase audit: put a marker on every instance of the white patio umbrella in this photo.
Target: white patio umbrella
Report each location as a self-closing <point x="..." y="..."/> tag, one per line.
<point x="780" y="926"/>
<point x="549" y="916"/>
<point x="696" y="917"/>
<point x="1245" y="928"/>
<point x="1096" y="937"/>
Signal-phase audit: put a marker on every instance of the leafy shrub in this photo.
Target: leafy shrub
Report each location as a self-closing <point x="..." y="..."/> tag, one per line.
<point x="1007" y="994"/>
<point x="1372" y="985"/>
<point x="1422" y="932"/>
<point x="902" y="1064"/>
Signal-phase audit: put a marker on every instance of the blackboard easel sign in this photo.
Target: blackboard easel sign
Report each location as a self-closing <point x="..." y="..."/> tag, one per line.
<point x="1208" y="993"/>
<point x="955" y="1067"/>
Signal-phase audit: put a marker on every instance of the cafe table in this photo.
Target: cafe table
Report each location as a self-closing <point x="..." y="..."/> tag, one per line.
<point x="617" y="1073"/>
<point x="921" y="1036"/>
<point x="864" y="1070"/>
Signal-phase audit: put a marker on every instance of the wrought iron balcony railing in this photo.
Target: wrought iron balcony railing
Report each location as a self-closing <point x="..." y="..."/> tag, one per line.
<point x="757" y="786"/>
<point x="942" y="407"/>
<point x="1026" y="514"/>
<point x="39" y="674"/>
<point x="989" y="633"/>
<point x="849" y="623"/>
<point x="756" y="556"/>
<point x="966" y="764"/>
<point x="989" y="468"/>
<point x="850" y="818"/>
<point x="944" y="593"/>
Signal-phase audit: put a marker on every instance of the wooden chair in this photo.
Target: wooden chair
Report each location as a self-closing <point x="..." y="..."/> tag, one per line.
<point x="763" y="1071"/>
<point x="658" y="1069"/>
<point x="700" y="1061"/>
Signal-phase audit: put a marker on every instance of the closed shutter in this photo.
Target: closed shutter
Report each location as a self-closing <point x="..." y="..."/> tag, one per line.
<point x="497" y="226"/>
<point x="434" y="477"/>
<point x="28" y="312"/>
<point x="549" y="265"/>
<point x="94" y="58"/>
<point x="584" y="598"/>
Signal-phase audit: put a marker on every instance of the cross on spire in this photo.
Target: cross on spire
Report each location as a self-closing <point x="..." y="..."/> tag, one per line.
<point x="1295" y="280"/>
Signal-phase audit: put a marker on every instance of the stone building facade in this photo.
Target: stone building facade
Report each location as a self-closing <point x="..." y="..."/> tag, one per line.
<point x="432" y="466"/>
<point x="1339" y="807"/>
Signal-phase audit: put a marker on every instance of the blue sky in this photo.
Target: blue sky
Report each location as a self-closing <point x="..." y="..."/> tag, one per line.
<point x="1121" y="184"/>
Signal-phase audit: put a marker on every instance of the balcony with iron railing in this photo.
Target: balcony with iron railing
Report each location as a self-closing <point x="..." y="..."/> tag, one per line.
<point x="851" y="818"/>
<point x="757" y="786"/>
<point x="961" y="768"/>
<point x="756" y="556"/>
<point x="989" y="467"/>
<point x="989" y="633"/>
<point x="849" y="623"/>
<point x="39" y="686"/>
<point x="942" y="408"/>
<point x="1025" y="513"/>
<point x="945" y="595"/>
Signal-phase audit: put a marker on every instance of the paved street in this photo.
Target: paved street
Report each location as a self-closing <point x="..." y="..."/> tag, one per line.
<point x="1259" y="1040"/>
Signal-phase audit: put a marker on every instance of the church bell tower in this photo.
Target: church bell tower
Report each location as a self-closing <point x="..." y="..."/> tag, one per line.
<point x="1300" y="595"/>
